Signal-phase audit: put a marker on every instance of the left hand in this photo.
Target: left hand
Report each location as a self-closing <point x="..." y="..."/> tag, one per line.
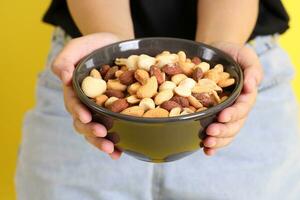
<point x="232" y="119"/>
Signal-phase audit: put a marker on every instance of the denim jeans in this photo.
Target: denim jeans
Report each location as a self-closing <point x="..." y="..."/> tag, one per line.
<point x="262" y="163"/>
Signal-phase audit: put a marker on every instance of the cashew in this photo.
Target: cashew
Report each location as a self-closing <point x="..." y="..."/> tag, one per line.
<point x="132" y="89"/>
<point x="93" y="87"/>
<point x="115" y="85"/>
<point x="166" y="58"/>
<point x="226" y="82"/>
<point x="141" y="76"/>
<point x="163" y="96"/>
<point x="147" y="103"/>
<point x="167" y="85"/>
<point x="149" y="89"/>
<point x="205" y="85"/>
<point x="145" y="62"/>
<point x="130" y="62"/>
<point x="186" y="111"/>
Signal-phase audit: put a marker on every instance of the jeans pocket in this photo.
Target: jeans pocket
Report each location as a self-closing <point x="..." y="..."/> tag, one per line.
<point x="277" y="67"/>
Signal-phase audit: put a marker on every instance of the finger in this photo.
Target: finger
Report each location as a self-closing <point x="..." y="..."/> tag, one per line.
<point x="116" y="154"/>
<point x="101" y="143"/>
<point x="213" y="142"/>
<point x="64" y="64"/>
<point x="239" y="109"/>
<point x="74" y="106"/>
<point x="209" y="151"/>
<point x="220" y="130"/>
<point x="253" y="71"/>
<point x="91" y="129"/>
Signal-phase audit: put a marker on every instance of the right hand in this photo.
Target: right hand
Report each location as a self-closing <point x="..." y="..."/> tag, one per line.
<point x="63" y="66"/>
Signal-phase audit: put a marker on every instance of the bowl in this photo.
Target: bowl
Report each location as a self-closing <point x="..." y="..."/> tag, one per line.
<point x="156" y="139"/>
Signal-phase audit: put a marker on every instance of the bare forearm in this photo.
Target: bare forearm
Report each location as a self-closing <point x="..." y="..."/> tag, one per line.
<point x="226" y="20"/>
<point x="93" y="16"/>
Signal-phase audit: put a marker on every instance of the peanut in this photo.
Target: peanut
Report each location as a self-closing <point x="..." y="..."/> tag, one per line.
<point x="93" y="87"/>
<point x="163" y="96"/>
<point x="171" y="69"/>
<point x="149" y="89"/>
<point x="147" y="103"/>
<point x="188" y="83"/>
<point x="204" y="66"/>
<point x="136" y="111"/>
<point x="111" y="73"/>
<point x="115" y="85"/>
<point x="119" y="73"/>
<point x="101" y="99"/>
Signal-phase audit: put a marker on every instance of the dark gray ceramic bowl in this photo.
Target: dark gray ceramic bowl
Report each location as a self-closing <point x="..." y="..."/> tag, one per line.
<point x="156" y="139"/>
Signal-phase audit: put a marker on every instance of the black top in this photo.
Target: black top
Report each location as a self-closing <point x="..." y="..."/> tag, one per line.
<point x="172" y="18"/>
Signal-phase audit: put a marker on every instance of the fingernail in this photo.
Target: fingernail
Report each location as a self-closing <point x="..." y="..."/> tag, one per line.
<point x="210" y="143"/>
<point x="214" y="132"/>
<point x="64" y="77"/>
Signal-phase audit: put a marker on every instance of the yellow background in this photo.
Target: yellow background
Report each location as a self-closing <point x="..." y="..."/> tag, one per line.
<point x="24" y="42"/>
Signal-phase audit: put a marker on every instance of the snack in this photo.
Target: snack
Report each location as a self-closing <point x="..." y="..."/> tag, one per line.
<point x="166" y="85"/>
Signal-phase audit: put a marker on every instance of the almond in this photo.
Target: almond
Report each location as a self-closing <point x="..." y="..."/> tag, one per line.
<point x="175" y="112"/>
<point x="114" y="93"/>
<point x="155" y="71"/>
<point x="197" y="74"/>
<point x="196" y="60"/>
<point x="119" y="105"/>
<point x="104" y="69"/>
<point x="127" y="77"/>
<point x="149" y="89"/>
<point x="205" y="99"/>
<point x="183" y="101"/>
<point x="141" y="76"/>
<point x="132" y="89"/>
<point x="111" y="73"/>
<point x="136" y="111"/>
<point x="157" y="112"/>
<point x="101" y="99"/>
<point x="169" y="105"/>
<point x="115" y="85"/>
<point x="194" y="102"/>
<point x="163" y="96"/>
<point x="93" y="87"/>
<point x="171" y="69"/>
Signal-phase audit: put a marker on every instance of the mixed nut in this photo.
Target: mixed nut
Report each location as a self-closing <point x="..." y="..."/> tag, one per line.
<point x="166" y="85"/>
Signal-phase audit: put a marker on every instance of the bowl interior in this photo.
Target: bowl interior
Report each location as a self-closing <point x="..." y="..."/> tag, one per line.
<point x="152" y="47"/>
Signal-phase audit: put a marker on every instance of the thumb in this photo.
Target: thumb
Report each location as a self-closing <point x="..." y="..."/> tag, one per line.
<point x="64" y="64"/>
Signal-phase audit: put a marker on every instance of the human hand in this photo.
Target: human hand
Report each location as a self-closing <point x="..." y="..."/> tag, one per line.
<point x="63" y="66"/>
<point x="232" y="119"/>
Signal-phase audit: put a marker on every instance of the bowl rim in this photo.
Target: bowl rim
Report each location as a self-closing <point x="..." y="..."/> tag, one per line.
<point x="193" y="116"/>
